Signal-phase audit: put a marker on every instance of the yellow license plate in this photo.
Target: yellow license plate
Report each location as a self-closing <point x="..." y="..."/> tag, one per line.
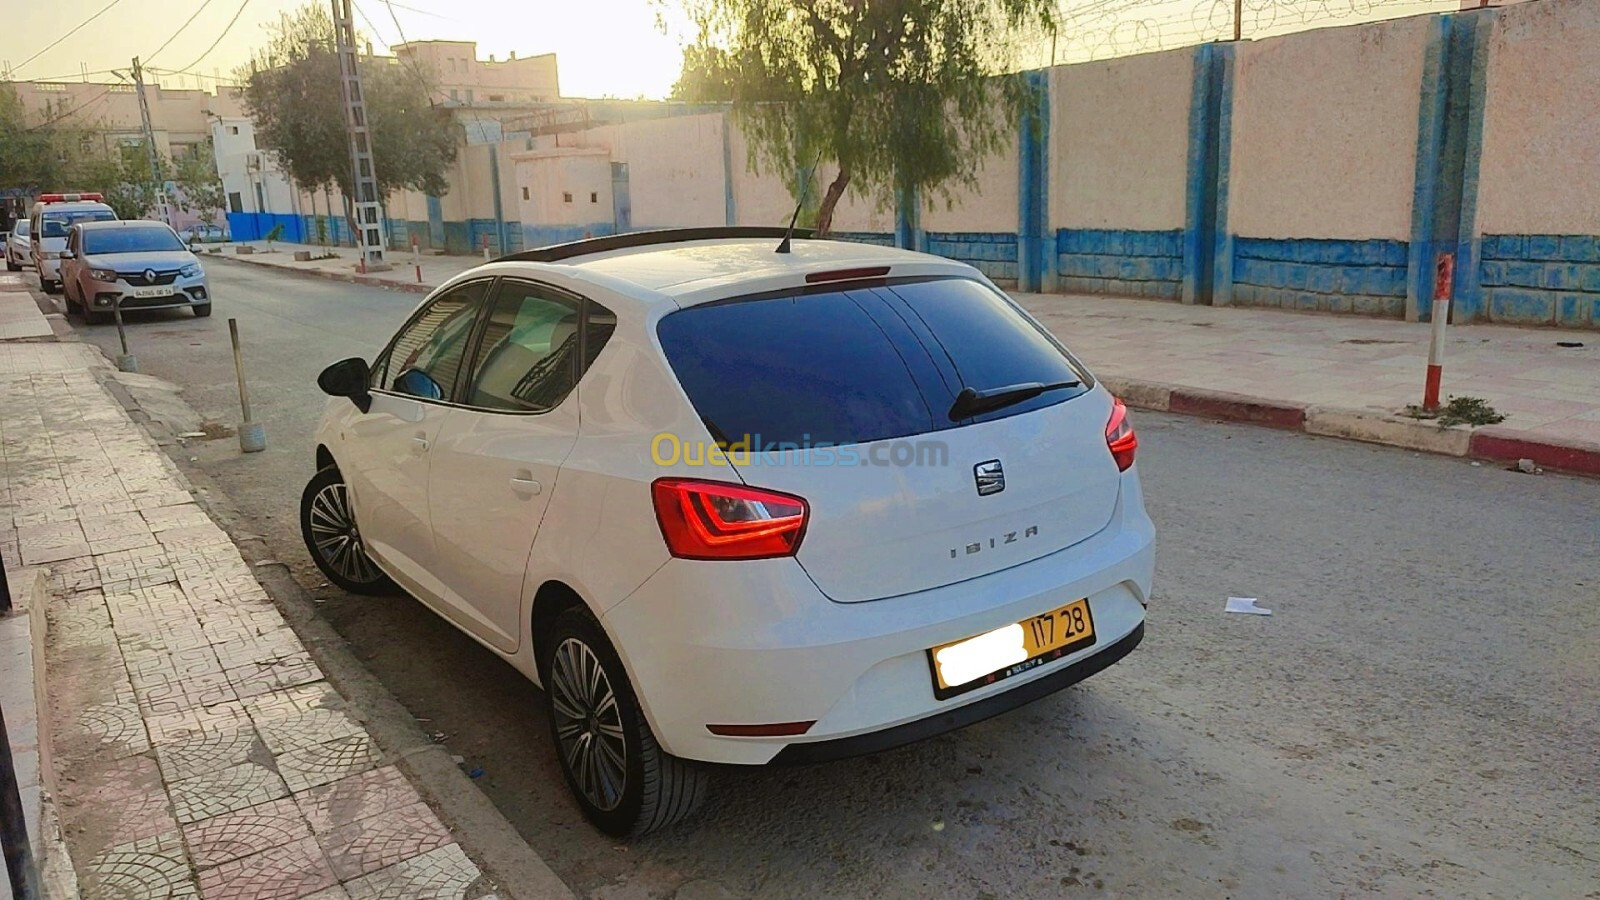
<point x="970" y="664"/>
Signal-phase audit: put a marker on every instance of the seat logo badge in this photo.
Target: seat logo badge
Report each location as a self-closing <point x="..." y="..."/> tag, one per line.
<point x="991" y="478"/>
<point x="149" y="274"/>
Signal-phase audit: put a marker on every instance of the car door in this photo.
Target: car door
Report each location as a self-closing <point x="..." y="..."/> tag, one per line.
<point x="386" y="451"/>
<point x="497" y="458"/>
<point x="71" y="258"/>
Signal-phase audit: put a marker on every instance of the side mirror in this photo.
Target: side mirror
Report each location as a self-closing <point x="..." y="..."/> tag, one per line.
<point x="68" y="254"/>
<point x="418" y="383"/>
<point x="347" y="378"/>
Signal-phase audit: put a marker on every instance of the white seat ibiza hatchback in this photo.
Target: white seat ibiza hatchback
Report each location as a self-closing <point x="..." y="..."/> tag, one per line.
<point x="732" y="505"/>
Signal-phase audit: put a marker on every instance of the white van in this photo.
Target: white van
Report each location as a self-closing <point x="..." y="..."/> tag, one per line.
<point x="53" y="215"/>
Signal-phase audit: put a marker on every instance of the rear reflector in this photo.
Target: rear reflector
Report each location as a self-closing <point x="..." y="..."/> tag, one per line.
<point x="716" y="520"/>
<point x="847" y="274"/>
<point x="1120" y="437"/>
<point x="777" y="729"/>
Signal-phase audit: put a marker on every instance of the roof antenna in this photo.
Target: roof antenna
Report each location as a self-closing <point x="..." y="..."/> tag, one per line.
<point x="783" y="246"/>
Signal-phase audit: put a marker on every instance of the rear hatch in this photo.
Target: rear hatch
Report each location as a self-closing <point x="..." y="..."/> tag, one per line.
<point x="842" y="395"/>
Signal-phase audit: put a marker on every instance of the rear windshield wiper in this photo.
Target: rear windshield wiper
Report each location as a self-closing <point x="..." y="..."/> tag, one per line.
<point x="971" y="401"/>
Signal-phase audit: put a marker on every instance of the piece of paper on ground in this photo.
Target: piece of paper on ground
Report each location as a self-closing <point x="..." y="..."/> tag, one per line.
<point x="1245" y="605"/>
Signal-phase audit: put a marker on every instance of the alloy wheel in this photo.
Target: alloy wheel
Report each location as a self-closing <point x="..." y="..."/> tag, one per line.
<point x="589" y="724"/>
<point x="333" y="529"/>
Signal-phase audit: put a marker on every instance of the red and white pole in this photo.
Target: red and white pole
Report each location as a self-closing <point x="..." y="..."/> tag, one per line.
<point x="1443" y="278"/>
<point x="416" y="258"/>
<point x="486" y="247"/>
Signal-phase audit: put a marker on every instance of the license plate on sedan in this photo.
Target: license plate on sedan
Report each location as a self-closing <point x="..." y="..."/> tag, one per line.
<point x="146" y="292"/>
<point x="972" y="663"/>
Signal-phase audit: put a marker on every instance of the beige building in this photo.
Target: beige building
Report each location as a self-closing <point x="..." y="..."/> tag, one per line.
<point x="464" y="79"/>
<point x="179" y="118"/>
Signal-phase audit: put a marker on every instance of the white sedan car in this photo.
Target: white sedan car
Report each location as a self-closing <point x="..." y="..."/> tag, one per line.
<point x="732" y="505"/>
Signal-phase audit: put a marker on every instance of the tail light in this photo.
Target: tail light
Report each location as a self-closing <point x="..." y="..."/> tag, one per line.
<point x="716" y="520"/>
<point x="1120" y="437"/>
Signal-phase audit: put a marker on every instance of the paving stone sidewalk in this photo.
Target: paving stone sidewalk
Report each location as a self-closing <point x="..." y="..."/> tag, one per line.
<point x="199" y="751"/>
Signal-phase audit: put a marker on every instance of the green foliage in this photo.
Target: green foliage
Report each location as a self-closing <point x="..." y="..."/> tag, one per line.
<point x="899" y="96"/>
<point x="28" y="154"/>
<point x="199" y="186"/>
<point x="291" y="90"/>
<point x="276" y="234"/>
<point x="1472" y="411"/>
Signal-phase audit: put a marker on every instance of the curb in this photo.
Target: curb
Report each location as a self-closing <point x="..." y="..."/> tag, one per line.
<point x="367" y="280"/>
<point x="1493" y="443"/>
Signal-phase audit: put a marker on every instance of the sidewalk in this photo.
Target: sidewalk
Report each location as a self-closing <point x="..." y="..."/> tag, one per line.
<point x="1344" y="376"/>
<point x="198" y="750"/>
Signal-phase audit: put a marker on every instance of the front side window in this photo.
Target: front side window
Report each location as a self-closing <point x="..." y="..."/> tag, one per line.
<point x="427" y="354"/>
<point x="528" y="361"/>
<point x="22" y="227"/>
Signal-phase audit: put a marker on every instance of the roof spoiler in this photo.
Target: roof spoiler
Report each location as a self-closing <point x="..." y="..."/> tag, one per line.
<point x="559" y="252"/>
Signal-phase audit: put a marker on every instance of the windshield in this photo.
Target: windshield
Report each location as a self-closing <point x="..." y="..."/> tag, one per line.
<point x="131" y="240"/>
<point x="55" y="224"/>
<point x="22" y="227"/>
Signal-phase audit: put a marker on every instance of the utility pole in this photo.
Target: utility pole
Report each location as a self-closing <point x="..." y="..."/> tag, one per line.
<point x="365" y="203"/>
<point x="150" y="144"/>
<point x="1238" y="19"/>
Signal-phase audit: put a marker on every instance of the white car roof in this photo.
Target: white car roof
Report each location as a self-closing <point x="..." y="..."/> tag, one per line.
<point x="690" y="272"/>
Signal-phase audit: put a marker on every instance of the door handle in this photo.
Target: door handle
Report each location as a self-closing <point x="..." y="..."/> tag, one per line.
<point x="523" y="484"/>
<point x="419" y="444"/>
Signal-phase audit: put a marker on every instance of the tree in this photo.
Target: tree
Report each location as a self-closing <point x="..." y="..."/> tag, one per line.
<point x="28" y="152"/>
<point x="199" y="186"/>
<point x="904" y="97"/>
<point x="292" y="92"/>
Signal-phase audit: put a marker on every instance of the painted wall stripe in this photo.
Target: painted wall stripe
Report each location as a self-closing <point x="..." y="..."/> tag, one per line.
<point x="1469" y="294"/>
<point x="1222" y="243"/>
<point x="1430" y="137"/>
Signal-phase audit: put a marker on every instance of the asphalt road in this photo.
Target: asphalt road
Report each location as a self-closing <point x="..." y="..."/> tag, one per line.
<point x="1420" y="713"/>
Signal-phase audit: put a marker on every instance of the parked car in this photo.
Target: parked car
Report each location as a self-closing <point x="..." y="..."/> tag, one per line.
<point x="136" y="264"/>
<point x="205" y="234"/>
<point x="53" y="215"/>
<point x="18" y="246"/>
<point x="738" y="506"/>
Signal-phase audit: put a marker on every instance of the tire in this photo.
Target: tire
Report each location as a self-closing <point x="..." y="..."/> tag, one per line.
<point x="12" y="267"/>
<point x="657" y="789"/>
<point x="49" y="287"/>
<point x="202" y="310"/>
<point x="326" y="516"/>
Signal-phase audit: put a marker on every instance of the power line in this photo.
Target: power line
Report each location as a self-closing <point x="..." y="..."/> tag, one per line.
<point x="225" y="30"/>
<point x="69" y="111"/>
<point x="103" y="11"/>
<point x="186" y="23"/>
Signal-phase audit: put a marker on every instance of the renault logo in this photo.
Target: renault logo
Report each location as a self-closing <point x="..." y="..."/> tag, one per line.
<point x="991" y="478"/>
<point x="150" y="275"/>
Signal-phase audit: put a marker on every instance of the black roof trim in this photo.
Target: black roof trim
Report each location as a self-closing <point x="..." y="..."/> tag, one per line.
<point x="559" y="252"/>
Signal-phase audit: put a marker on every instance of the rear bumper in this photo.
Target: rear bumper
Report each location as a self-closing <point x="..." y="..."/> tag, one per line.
<point x="757" y="643"/>
<point x="960" y="717"/>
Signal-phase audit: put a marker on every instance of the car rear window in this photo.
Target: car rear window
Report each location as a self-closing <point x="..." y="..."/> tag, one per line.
<point x="856" y="365"/>
<point x="799" y="369"/>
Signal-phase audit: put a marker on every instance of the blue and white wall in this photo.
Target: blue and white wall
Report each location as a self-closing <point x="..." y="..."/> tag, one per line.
<point x="1117" y="173"/>
<point x="1538" y="185"/>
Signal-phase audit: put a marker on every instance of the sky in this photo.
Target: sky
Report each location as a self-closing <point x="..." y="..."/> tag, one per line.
<point x="604" y="47"/>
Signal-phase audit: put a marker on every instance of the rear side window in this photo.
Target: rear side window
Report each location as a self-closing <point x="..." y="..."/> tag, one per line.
<point x="853" y="366"/>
